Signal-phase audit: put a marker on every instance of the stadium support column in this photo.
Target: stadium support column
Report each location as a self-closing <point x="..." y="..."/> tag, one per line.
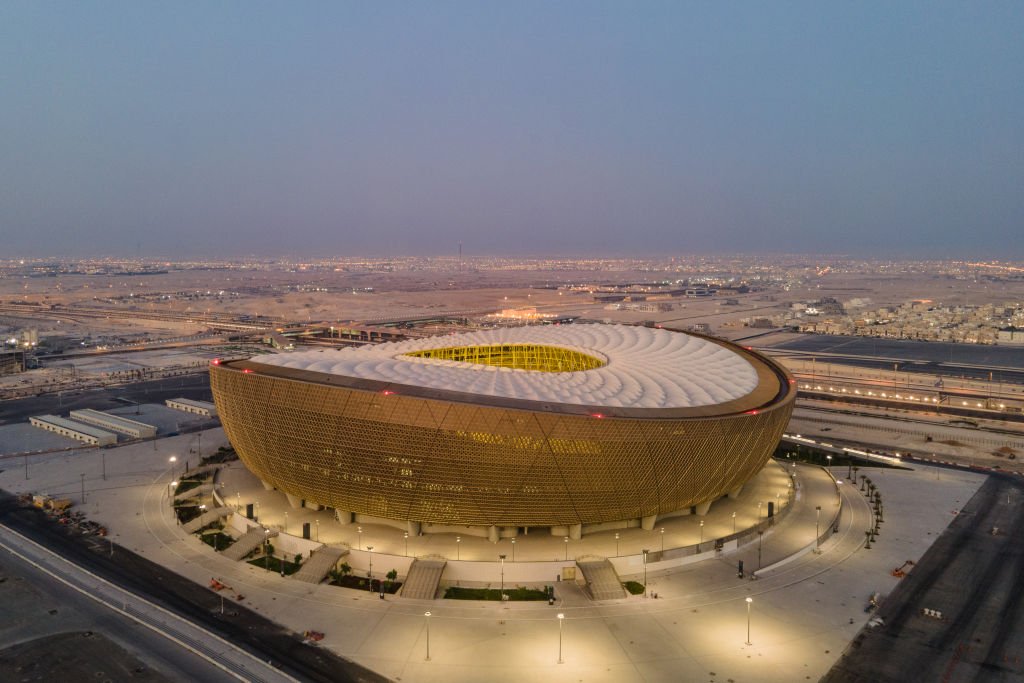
<point x="647" y="523"/>
<point x="703" y="508"/>
<point x="492" y="534"/>
<point x="267" y="486"/>
<point x="415" y="528"/>
<point x="575" y="531"/>
<point x="343" y="516"/>
<point x="735" y="493"/>
<point x="294" y="501"/>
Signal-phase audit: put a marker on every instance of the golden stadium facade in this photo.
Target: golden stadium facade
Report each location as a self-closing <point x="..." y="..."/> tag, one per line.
<point x="549" y="426"/>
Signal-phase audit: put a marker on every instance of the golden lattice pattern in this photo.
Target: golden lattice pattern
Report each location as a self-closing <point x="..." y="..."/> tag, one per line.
<point x="429" y="460"/>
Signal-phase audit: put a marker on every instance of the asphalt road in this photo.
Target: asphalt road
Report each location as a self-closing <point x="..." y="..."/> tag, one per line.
<point x="36" y="608"/>
<point x="974" y="576"/>
<point x="198" y="604"/>
<point x="195" y="386"/>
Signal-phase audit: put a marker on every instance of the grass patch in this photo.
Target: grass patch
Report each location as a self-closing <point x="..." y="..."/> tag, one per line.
<point x="494" y="594"/>
<point x="189" y="484"/>
<point x="364" y="584"/>
<point x="273" y="564"/>
<point x="222" y="455"/>
<point x="187" y="513"/>
<point x="219" y="541"/>
<point x="634" y="587"/>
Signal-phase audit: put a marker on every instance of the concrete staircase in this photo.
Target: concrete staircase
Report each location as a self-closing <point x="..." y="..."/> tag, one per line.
<point x="206" y="519"/>
<point x="197" y="492"/>
<point x="423" y="579"/>
<point x="247" y="543"/>
<point x="322" y="561"/>
<point x="602" y="579"/>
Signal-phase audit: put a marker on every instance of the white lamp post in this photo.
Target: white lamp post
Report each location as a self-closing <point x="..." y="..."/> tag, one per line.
<point x="749" y="600"/>
<point x="561" y="618"/>
<point x="426" y="615"/>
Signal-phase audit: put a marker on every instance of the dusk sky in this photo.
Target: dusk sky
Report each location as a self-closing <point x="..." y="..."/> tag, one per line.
<point x="519" y="128"/>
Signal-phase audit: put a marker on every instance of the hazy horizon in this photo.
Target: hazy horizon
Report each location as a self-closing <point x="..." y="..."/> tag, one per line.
<point x="221" y="130"/>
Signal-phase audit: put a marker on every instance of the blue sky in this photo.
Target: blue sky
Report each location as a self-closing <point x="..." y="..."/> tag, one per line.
<point x="619" y="128"/>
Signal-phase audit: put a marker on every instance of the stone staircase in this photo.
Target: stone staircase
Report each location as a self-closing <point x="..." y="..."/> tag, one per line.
<point x="322" y="561"/>
<point x="247" y="543"/>
<point x="602" y="579"/>
<point x="206" y="519"/>
<point x="424" y="577"/>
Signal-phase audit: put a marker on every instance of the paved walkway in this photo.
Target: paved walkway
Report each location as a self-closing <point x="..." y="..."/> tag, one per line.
<point x="802" y="616"/>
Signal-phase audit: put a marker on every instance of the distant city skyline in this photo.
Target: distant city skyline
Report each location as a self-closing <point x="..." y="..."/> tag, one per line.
<point x="569" y="129"/>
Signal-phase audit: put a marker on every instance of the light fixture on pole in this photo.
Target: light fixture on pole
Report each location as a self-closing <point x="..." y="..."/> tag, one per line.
<point x="817" y="529"/>
<point x="426" y="616"/>
<point x="645" y="551"/>
<point x="566" y="548"/>
<point x="406" y="544"/>
<point x="829" y="458"/>
<point x="616" y="544"/>
<point x="458" y="547"/>
<point x="734" y="522"/>
<point x="286" y="522"/>
<point x="561" y="618"/>
<point x="702" y="531"/>
<point x="513" y="550"/>
<point x="369" y="572"/>
<point x="359" y="530"/>
<point x="317" y="530"/>
<point x="749" y="600"/>
<point x="502" y="558"/>
<point x="662" y="539"/>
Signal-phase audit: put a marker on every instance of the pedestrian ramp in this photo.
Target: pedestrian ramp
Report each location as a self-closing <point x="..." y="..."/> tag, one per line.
<point x="206" y="519"/>
<point x="424" y="577"/>
<point x="319" y="564"/>
<point x="249" y="541"/>
<point x="601" y="578"/>
<point x="197" y="492"/>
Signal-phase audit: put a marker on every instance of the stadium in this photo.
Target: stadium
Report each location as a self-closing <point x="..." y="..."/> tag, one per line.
<point x="573" y="428"/>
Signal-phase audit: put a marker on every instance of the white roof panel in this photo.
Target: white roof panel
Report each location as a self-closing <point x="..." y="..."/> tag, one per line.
<point x="644" y="367"/>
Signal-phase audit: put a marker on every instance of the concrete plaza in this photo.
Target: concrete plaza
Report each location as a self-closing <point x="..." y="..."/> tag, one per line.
<point x="805" y="607"/>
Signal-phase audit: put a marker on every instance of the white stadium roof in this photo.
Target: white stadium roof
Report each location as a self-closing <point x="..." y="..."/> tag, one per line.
<point x="644" y="367"/>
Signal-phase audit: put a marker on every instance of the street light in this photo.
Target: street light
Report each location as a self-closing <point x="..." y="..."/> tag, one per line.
<point x="407" y="544"/>
<point x="502" y="558"/>
<point x="427" y="619"/>
<point x="734" y="522"/>
<point x="749" y="600"/>
<point x="359" y="530"/>
<point x="266" y="549"/>
<point x="702" y="531"/>
<point x="317" y="530"/>
<point x="760" y="539"/>
<point x="829" y="458"/>
<point x="817" y="530"/>
<point x="662" y="539"/>
<point x="369" y="572"/>
<point x="286" y="522"/>
<point x="566" y="548"/>
<point x="645" y="551"/>
<point x="759" y="504"/>
<point x="616" y="544"/>
<point x="561" y="618"/>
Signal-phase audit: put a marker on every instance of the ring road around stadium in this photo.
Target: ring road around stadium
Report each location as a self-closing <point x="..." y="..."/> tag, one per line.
<point x="576" y="428"/>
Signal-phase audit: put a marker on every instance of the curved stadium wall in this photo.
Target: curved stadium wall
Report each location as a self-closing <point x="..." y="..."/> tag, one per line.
<point x="382" y="448"/>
